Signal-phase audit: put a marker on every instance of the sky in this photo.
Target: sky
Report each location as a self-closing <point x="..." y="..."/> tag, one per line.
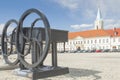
<point x="71" y="15"/>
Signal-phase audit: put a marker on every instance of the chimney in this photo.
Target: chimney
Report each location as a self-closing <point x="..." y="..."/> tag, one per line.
<point x="114" y="31"/>
<point x="114" y="28"/>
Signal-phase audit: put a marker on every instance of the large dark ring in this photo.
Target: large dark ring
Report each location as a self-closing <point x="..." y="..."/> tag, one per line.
<point x="4" y="41"/>
<point x="21" y="34"/>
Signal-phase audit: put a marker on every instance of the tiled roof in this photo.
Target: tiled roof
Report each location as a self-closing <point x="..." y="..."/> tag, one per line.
<point x="94" y="33"/>
<point x="115" y="32"/>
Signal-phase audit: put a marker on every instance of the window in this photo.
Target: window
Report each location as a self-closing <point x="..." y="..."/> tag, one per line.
<point x="76" y="42"/>
<point x="106" y="47"/>
<point x="118" y="39"/>
<point x="107" y="40"/>
<point x="103" y="40"/>
<point x="95" y="41"/>
<point x="84" y="42"/>
<point x="99" y="40"/>
<point x="91" y="41"/>
<point x="113" y="39"/>
<point x="99" y="47"/>
<point x="73" y="42"/>
<point x="103" y="47"/>
<point x="88" y="41"/>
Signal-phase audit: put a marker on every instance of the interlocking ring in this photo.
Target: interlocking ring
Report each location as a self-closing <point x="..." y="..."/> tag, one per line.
<point x="9" y="41"/>
<point x="22" y="38"/>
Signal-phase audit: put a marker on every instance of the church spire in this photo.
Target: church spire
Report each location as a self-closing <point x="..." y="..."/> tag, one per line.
<point x="99" y="17"/>
<point x="99" y="21"/>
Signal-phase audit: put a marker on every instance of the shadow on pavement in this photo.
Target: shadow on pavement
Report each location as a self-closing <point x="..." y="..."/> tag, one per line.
<point x="74" y="73"/>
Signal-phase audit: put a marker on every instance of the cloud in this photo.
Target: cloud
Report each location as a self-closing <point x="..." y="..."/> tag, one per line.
<point x="69" y="4"/>
<point x="9" y="30"/>
<point x="86" y="11"/>
<point x="1" y="28"/>
<point x="111" y="23"/>
<point x="76" y="27"/>
<point x="108" y="24"/>
<point x="108" y="7"/>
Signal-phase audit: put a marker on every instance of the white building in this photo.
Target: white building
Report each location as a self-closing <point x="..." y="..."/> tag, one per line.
<point x="92" y="39"/>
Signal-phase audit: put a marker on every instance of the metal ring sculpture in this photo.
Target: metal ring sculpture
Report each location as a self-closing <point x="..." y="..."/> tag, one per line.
<point x="5" y="42"/>
<point x="20" y="35"/>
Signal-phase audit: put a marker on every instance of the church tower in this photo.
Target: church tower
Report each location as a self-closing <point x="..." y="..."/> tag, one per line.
<point x="98" y="21"/>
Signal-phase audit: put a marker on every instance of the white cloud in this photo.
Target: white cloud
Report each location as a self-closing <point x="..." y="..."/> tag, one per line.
<point x="108" y="7"/>
<point x="108" y="24"/>
<point x="9" y="30"/>
<point x="1" y="28"/>
<point x="111" y="26"/>
<point x="81" y="26"/>
<point x="70" y="4"/>
<point x="111" y="23"/>
<point x="86" y="11"/>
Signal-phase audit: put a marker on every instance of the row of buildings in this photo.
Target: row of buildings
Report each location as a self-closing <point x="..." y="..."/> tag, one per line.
<point x="98" y="38"/>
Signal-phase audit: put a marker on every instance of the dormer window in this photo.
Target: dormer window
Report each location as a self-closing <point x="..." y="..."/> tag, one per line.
<point x="115" y="33"/>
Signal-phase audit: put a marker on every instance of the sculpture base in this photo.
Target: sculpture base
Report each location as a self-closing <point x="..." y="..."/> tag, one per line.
<point x="42" y="72"/>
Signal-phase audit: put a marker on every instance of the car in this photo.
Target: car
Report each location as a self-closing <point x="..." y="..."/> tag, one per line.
<point x="98" y="51"/>
<point x="85" y="51"/>
<point x="118" y="50"/>
<point x="61" y="51"/>
<point x="106" y="50"/>
<point x="114" y="50"/>
<point x="79" y="51"/>
<point x="91" y="51"/>
<point x="72" y="51"/>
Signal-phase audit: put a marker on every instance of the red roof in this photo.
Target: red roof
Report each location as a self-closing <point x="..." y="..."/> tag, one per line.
<point x="94" y="33"/>
<point x="115" y="32"/>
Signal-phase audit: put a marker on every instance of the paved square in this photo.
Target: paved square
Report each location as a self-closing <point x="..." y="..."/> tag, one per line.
<point x="83" y="66"/>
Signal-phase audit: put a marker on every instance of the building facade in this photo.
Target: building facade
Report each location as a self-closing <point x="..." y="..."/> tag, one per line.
<point x="99" y="38"/>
